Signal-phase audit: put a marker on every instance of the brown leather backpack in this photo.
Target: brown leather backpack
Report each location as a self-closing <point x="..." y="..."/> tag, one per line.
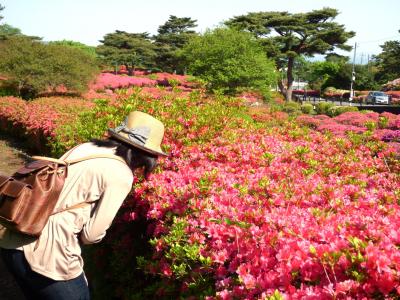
<point x="28" y="197"/>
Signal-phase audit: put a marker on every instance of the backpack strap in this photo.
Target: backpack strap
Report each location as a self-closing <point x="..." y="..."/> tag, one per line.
<point x="73" y="161"/>
<point x="67" y="163"/>
<point x="78" y="205"/>
<point x="82" y="204"/>
<point x="110" y="156"/>
<point x="59" y="161"/>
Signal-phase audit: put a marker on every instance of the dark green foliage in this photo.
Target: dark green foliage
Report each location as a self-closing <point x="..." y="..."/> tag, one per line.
<point x="129" y="49"/>
<point x="229" y="60"/>
<point x="322" y="72"/>
<point x="293" y="35"/>
<point x="365" y="78"/>
<point x="33" y="67"/>
<point x="172" y="36"/>
<point x="388" y="62"/>
<point x="337" y="73"/>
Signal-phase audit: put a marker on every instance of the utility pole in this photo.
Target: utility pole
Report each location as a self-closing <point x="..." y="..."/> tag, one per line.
<point x="353" y="77"/>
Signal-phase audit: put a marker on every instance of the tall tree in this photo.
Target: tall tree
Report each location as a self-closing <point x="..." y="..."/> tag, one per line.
<point x="229" y="60"/>
<point x="31" y="66"/>
<point x="388" y="61"/>
<point x="286" y="36"/>
<point x="171" y="37"/>
<point x="1" y="8"/>
<point x="129" y="49"/>
<point x="320" y="72"/>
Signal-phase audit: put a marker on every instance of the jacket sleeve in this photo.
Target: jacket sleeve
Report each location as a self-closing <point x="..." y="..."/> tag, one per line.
<point x="115" y="192"/>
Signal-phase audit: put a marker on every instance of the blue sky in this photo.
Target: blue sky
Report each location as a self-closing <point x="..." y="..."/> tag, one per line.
<point x="87" y="21"/>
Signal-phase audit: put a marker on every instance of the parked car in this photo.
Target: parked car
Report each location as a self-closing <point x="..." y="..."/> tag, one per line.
<point x="377" y="97"/>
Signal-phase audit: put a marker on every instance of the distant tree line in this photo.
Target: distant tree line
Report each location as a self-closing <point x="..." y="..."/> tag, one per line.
<point x="253" y="51"/>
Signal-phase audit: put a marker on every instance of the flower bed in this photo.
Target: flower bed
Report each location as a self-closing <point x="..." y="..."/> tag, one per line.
<point x="254" y="208"/>
<point x="274" y="214"/>
<point x="36" y="121"/>
<point x="310" y="93"/>
<point x="250" y="207"/>
<point x="111" y="81"/>
<point x="395" y="97"/>
<point x="167" y="79"/>
<point x="384" y="126"/>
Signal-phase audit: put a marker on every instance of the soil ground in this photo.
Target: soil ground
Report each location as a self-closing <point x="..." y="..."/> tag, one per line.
<point x="11" y="158"/>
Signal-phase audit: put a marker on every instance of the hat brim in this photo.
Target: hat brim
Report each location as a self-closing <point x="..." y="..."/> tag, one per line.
<point x="116" y="135"/>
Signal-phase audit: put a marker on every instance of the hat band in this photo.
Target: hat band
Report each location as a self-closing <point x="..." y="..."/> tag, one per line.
<point x="138" y="135"/>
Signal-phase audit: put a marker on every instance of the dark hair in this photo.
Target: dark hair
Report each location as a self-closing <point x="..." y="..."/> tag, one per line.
<point x="134" y="157"/>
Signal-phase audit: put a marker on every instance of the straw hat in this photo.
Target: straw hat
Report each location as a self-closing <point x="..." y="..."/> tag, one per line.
<point x="141" y="131"/>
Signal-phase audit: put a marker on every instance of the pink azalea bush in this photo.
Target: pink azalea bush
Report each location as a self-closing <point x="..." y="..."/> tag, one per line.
<point x="269" y="221"/>
<point x="251" y="208"/>
<point x="395" y="97"/>
<point x="39" y="119"/>
<point x="310" y="93"/>
<point x="111" y="81"/>
<point x="251" y="97"/>
<point x="167" y="79"/>
<point x="384" y="126"/>
<point x="12" y="108"/>
<point x="251" y="205"/>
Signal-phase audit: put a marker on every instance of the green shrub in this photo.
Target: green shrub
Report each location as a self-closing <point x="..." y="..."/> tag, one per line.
<point x="95" y="122"/>
<point x="153" y="76"/>
<point x="32" y="67"/>
<point x="383" y="122"/>
<point x="323" y="107"/>
<point x="370" y="125"/>
<point x="229" y="60"/>
<point x="307" y="108"/>
<point x="196" y="82"/>
<point x="173" y="82"/>
<point x="291" y="108"/>
<point x="338" y="110"/>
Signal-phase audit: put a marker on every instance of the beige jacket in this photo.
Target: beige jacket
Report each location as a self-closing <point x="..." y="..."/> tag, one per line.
<point x="58" y="253"/>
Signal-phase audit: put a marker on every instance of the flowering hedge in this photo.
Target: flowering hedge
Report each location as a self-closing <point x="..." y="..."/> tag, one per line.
<point x="111" y="81"/>
<point x="384" y="126"/>
<point x="392" y="85"/>
<point x="310" y="93"/>
<point x="167" y="79"/>
<point x="250" y="205"/>
<point x="251" y="208"/>
<point x="395" y="96"/>
<point x="273" y="213"/>
<point x="37" y="120"/>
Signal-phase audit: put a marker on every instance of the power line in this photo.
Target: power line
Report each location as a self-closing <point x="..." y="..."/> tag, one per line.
<point x="382" y="39"/>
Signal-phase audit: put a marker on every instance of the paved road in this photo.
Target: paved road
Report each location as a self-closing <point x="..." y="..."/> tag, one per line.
<point x="10" y="160"/>
<point x="379" y="108"/>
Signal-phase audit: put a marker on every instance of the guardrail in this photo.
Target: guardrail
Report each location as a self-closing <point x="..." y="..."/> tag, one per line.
<point x="379" y="108"/>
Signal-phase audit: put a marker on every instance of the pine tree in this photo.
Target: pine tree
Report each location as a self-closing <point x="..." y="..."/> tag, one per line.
<point x="287" y="36"/>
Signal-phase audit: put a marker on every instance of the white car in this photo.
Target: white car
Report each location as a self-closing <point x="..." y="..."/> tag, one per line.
<point x="377" y="98"/>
